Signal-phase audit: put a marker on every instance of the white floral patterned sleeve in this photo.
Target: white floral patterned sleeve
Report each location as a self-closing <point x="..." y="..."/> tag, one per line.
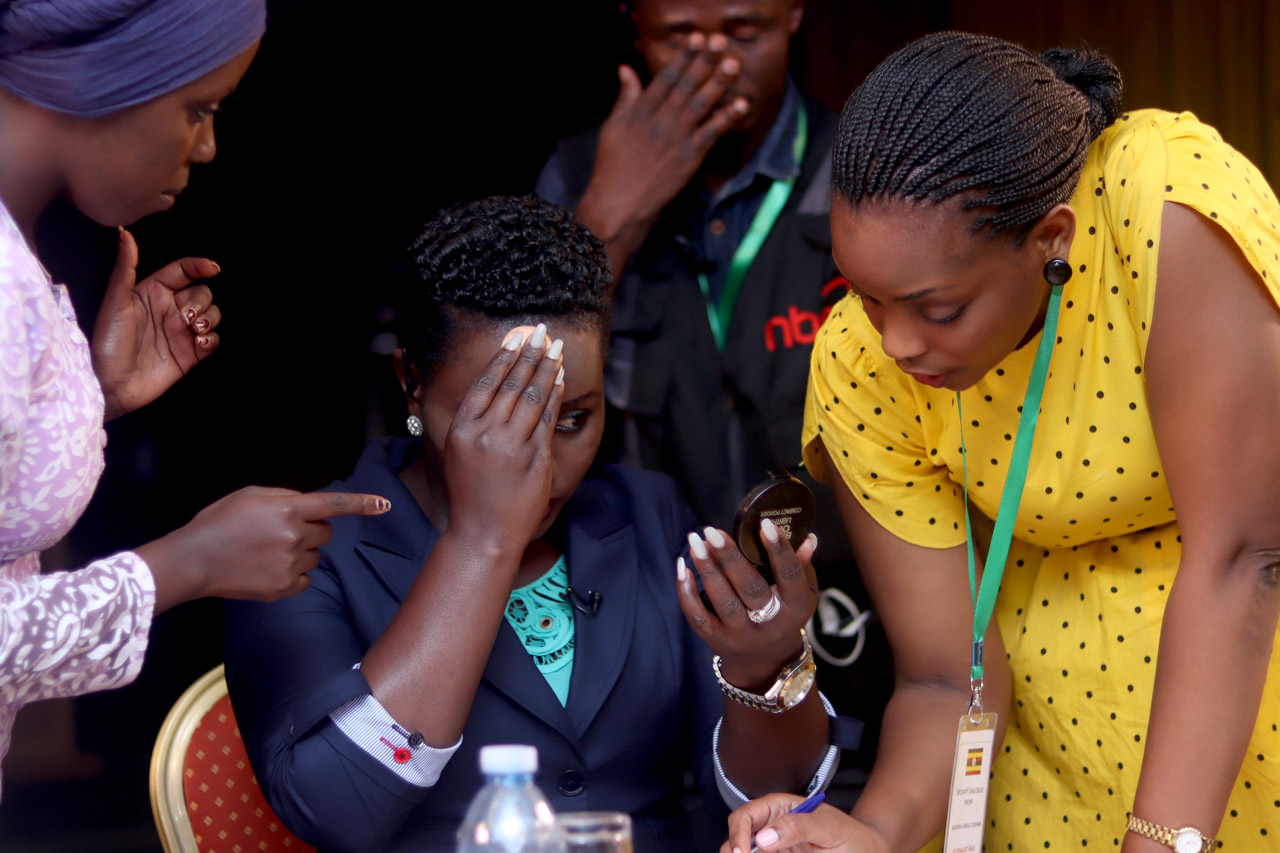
<point x="65" y="633"/>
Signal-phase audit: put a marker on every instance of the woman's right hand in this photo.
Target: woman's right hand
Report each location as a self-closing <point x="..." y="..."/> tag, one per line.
<point x="775" y="829"/>
<point x="255" y="543"/>
<point x="497" y="454"/>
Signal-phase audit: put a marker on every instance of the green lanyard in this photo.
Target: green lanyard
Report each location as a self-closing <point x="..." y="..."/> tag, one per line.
<point x="984" y="598"/>
<point x="721" y="315"/>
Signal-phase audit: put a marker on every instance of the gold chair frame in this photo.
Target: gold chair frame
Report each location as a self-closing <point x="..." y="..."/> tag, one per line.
<point x="168" y="792"/>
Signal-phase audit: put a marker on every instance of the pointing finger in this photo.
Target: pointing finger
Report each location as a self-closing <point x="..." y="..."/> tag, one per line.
<point x="321" y="505"/>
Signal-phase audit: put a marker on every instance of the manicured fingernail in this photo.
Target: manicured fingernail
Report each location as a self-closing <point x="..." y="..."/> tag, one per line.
<point x="697" y="546"/>
<point x="812" y="537"/>
<point x="202" y="341"/>
<point x="767" y="837"/>
<point x="560" y="377"/>
<point x="680" y="569"/>
<point x="769" y="530"/>
<point x="539" y="336"/>
<point x="189" y="315"/>
<point x="513" y="341"/>
<point x="553" y="352"/>
<point x="714" y="537"/>
<point x="382" y="504"/>
<point x="729" y="66"/>
<point x="217" y="267"/>
<point x="201" y="325"/>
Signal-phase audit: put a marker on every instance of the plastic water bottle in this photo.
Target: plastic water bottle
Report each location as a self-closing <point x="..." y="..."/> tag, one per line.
<point x="509" y="814"/>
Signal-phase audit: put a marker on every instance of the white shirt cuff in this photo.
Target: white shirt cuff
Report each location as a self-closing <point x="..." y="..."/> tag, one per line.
<point x="368" y="725"/>
<point x="733" y="797"/>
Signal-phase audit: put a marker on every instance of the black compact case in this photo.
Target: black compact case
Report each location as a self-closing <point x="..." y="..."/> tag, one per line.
<point x="785" y="501"/>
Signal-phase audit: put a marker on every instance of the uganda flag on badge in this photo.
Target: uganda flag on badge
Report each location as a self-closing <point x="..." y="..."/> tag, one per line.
<point x="973" y="765"/>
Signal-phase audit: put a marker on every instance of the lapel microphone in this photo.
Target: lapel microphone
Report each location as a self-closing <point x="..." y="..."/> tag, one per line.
<point x="588" y="605"/>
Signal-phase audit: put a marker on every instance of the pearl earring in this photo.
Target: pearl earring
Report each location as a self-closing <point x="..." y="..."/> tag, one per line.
<point x="414" y="423"/>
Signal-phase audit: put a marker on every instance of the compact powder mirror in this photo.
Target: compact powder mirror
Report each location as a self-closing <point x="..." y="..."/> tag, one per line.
<point x="785" y="501"/>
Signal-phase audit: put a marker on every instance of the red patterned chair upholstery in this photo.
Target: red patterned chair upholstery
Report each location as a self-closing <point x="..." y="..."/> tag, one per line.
<point x="203" y="792"/>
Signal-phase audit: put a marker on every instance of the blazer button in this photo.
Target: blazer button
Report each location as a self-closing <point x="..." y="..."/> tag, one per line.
<point x="572" y="783"/>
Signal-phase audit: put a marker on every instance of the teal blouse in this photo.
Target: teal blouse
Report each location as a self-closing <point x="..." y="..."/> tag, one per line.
<point x="542" y="617"/>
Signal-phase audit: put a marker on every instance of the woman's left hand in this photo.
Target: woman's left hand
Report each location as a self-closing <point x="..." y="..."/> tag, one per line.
<point x="149" y="333"/>
<point x="751" y="652"/>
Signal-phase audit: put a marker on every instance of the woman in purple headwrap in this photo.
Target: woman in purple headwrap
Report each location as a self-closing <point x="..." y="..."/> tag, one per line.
<point x="110" y="103"/>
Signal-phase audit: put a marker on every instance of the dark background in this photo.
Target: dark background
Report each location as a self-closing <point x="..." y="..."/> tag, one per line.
<point x="356" y="123"/>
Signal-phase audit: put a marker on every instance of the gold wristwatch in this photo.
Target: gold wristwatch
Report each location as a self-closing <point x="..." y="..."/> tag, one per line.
<point x="792" y="685"/>
<point x="1185" y="840"/>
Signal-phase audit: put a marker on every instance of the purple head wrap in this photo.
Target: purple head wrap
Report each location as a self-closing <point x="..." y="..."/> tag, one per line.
<point x="88" y="58"/>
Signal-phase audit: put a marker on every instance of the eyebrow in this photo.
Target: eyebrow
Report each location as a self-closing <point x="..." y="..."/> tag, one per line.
<point x="580" y="399"/>
<point x="733" y="18"/>
<point x="921" y="293"/>
<point x="223" y="94"/>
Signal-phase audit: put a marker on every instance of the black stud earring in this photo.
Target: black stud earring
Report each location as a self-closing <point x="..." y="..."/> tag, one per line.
<point x="1057" y="272"/>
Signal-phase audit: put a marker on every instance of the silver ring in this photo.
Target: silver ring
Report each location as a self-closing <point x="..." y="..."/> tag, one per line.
<point x="770" y="610"/>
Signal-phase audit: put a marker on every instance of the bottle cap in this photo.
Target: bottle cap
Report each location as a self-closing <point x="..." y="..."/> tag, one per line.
<point x="508" y="758"/>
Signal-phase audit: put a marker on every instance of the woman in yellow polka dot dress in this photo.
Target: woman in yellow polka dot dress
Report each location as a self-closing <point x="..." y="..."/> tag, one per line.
<point x="1133" y="665"/>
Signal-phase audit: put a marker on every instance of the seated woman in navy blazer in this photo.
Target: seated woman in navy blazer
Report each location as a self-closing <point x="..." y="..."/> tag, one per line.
<point x="515" y="592"/>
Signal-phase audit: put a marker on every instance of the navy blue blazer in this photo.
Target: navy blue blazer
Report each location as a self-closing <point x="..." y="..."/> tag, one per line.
<point x="642" y="700"/>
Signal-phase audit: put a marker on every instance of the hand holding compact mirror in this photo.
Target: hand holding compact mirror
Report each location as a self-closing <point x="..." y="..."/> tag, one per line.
<point x="761" y="647"/>
<point x="785" y="501"/>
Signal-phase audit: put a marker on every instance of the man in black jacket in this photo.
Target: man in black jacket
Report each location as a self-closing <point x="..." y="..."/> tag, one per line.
<point x="709" y="186"/>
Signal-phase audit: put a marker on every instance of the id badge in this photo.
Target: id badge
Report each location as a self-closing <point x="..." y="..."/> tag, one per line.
<point x="970" y="779"/>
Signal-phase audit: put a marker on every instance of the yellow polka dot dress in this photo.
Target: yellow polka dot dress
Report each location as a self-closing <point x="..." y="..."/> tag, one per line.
<point x="1096" y="543"/>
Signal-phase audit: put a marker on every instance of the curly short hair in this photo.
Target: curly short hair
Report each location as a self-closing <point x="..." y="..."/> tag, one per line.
<point x="503" y="258"/>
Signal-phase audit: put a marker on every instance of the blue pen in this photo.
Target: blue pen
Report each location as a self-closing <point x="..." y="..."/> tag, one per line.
<point x="804" y="808"/>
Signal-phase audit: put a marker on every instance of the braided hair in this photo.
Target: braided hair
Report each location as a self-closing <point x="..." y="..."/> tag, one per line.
<point x="957" y="114"/>
<point x="501" y="259"/>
